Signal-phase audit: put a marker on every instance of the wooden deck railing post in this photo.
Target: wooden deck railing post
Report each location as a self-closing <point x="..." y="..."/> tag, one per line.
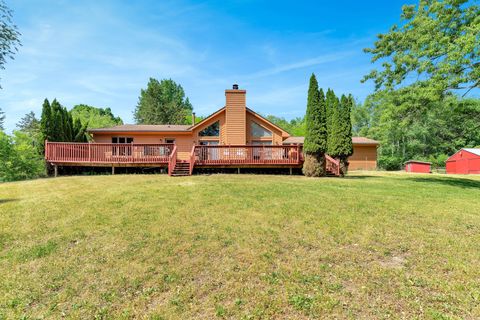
<point x="89" y="152"/>
<point x="46" y="149"/>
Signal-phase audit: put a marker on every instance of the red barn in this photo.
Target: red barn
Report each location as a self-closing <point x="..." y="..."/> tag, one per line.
<point x="465" y="161"/>
<point x="417" y="166"/>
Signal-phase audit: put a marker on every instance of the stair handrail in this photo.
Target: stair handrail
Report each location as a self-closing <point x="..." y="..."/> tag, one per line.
<point x="192" y="160"/>
<point x="334" y="163"/>
<point x="172" y="160"/>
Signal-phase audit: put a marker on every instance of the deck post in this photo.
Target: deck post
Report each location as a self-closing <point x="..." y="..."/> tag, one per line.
<point x="113" y="170"/>
<point x="238" y="170"/>
<point x="55" y="170"/>
<point x="291" y="170"/>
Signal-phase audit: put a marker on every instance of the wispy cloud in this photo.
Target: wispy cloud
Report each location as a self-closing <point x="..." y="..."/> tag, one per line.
<point x="311" y="62"/>
<point x="103" y="52"/>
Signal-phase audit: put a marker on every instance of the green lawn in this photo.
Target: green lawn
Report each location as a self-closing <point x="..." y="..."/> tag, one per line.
<point x="372" y="245"/>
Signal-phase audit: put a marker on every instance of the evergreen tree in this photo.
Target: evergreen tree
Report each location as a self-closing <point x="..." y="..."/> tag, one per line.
<point x="46" y="124"/>
<point x="2" y="119"/>
<point x="340" y="145"/>
<point x="315" y="144"/>
<point x="29" y="123"/>
<point x="331" y="107"/>
<point x="57" y="124"/>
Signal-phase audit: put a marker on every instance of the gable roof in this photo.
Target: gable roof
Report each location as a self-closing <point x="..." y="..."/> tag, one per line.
<point x="143" y="128"/>
<point x="355" y="140"/>
<point x="268" y="121"/>
<point x="207" y="118"/>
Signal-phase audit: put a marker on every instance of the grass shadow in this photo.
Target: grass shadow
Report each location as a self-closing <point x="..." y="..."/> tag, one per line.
<point x="7" y="200"/>
<point x="454" y="182"/>
<point x="347" y="177"/>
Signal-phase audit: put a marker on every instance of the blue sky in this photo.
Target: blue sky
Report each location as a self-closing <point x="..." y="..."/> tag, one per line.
<point x="103" y="52"/>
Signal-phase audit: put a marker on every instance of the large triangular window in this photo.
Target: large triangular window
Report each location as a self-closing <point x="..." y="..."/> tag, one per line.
<point x="212" y="130"/>
<point x="259" y="131"/>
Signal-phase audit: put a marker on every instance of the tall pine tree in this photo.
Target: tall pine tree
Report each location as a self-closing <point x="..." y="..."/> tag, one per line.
<point x="331" y="106"/>
<point x="57" y="125"/>
<point x="315" y="144"/>
<point x="340" y="136"/>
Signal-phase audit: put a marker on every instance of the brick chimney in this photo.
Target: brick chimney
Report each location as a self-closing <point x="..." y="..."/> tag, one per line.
<point x="236" y="116"/>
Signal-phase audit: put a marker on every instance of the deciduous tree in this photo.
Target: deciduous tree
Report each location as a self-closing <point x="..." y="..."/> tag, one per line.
<point x="162" y="102"/>
<point x="94" y="117"/>
<point x="9" y="35"/>
<point x="436" y="42"/>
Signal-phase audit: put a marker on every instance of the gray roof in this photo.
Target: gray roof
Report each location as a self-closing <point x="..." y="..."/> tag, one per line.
<point x="143" y="128"/>
<point x="473" y="150"/>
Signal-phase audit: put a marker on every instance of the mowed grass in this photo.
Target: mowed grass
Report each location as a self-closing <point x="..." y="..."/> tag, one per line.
<point x="372" y="245"/>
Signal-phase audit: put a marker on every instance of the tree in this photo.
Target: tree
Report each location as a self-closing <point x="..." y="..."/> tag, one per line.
<point x="9" y="35"/>
<point x="20" y="159"/>
<point x="94" y="117"/>
<point x="315" y="144"/>
<point x="437" y="42"/>
<point x="46" y="123"/>
<point x="331" y="107"/>
<point x="163" y="102"/>
<point x="343" y="148"/>
<point x="29" y="123"/>
<point x="296" y="126"/>
<point x="57" y="124"/>
<point x="2" y="119"/>
<point x="412" y="125"/>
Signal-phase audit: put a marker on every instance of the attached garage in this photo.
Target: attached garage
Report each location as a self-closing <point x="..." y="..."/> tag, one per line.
<point x="364" y="155"/>
<point x="465" y="161"/>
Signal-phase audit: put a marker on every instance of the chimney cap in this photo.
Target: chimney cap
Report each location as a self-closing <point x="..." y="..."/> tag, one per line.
<point x="235" y="87"/>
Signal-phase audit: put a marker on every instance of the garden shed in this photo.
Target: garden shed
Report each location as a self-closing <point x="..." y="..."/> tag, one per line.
<point x="464" y="161"/>
<point x="417" y="166"/>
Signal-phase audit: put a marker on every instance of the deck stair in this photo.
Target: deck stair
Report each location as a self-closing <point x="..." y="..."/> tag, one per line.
<point x="182" y="168"/>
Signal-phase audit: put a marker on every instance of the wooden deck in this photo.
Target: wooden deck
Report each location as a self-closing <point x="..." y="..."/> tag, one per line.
<point x="143" y="155"/>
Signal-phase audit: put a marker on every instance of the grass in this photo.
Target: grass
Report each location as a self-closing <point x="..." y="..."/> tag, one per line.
<point x="372" y="245"/>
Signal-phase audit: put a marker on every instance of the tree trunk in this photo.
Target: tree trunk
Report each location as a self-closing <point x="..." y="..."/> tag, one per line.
<point x="314" y="165"/>
<point x="343" y="166"/>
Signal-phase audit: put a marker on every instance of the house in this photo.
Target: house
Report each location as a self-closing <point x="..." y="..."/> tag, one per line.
<point x="418" y="166"/>
<point x="464" y="161"/>
<point x="234" y="136"/>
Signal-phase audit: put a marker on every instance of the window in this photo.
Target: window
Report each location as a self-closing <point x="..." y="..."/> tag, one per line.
<point x="212" y="130"/>
<point x="259" y="131"/>
<point x="122" y="150"/>
<point x="122" y="140"/>
<point x="169" y="140"/>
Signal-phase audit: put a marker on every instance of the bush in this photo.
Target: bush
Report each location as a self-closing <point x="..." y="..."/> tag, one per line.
<point x="19" y="157"/>
<point x="390" y="163"/>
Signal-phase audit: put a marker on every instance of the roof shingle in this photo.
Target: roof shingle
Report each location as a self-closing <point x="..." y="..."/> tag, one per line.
<point x="143" y="128"/>
<point x="355" y="140"/>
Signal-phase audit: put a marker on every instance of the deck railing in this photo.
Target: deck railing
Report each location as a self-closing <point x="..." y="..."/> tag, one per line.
<point x="192" y="160"/>
<point x="172" y="161"/>
<point x="69" y="152"/>
<point x="248" y="155"/>
<point x="332" y="165"/>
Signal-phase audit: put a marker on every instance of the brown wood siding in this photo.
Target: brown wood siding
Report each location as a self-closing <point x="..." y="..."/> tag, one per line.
<point x="364" y="157"/>
<point x="235" y="117"/>
<point x="276" y="134"/>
